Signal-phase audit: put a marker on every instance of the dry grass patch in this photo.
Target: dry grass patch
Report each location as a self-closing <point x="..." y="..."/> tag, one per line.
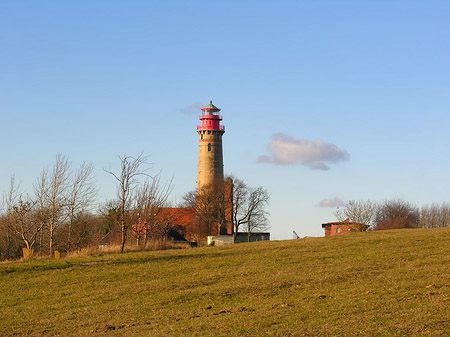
<point x="392" y="283"/>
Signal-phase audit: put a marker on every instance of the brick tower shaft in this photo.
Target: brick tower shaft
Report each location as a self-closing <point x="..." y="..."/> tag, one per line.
<point x="210" y="154"/>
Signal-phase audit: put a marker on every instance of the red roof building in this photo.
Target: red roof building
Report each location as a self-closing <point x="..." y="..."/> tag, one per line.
<point x="343" y="227"/>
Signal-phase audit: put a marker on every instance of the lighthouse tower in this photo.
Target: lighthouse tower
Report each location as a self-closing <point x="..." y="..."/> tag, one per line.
<point x="210" y="156"/>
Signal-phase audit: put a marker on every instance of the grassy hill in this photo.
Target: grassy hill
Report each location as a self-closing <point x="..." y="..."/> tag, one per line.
<point x="390" y="283"/>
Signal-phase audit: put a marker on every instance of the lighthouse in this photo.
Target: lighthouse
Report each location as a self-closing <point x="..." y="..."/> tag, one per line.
<point x="210" y="155"/>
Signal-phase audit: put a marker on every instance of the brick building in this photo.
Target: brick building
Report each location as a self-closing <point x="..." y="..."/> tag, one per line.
<point x="343" y="227"/>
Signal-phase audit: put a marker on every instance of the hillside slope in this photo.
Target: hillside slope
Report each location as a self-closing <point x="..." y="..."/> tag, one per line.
<point x="391" y="283"/>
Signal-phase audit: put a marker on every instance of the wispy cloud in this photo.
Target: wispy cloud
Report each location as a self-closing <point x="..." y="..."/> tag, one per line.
<point x="315" y="154"/>
<point x="192" y="109"/>
<point x="335" y="202"/>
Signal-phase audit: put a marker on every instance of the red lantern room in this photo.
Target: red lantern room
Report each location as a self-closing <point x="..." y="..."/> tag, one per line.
<point x="210" y="118"/>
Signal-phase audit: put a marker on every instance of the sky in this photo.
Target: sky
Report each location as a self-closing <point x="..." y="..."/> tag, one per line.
<point x="323" y="101"/>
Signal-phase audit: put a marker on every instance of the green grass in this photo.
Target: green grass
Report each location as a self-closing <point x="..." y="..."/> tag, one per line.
<point x="389" y="283"/>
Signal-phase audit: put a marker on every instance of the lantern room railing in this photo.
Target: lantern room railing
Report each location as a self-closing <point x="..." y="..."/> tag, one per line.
<point x="210" y="116"/>
<point x="205" y="127"/>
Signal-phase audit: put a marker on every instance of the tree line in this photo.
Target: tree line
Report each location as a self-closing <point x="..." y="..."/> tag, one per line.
<point x="62" y="213"/>
<point x="395" y="214"/>
<point x="57" y="214"/>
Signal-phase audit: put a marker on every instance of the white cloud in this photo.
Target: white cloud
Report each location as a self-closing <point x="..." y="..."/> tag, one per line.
<point x="335" y="202"/>
<point x="193" y="109"/>
<point x="315" y="154"/>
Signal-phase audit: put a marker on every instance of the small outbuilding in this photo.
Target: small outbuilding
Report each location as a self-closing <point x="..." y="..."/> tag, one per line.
<point x="242" y="237"/>
<point x="343" y="227"/>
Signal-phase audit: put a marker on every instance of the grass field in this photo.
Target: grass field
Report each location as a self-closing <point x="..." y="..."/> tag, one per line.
<point x="387" y="283"/>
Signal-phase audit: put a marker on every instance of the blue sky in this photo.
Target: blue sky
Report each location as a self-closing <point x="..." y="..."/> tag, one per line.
<point x="322" y="100"/>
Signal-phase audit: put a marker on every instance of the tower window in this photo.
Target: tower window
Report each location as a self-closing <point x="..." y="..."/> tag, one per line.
<point x="209" y="147"/>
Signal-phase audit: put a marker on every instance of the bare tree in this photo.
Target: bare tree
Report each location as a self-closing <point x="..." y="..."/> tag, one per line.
<point x="394" y="214"/>
<point x="188" y="199"/>
<point x="81" y="197"/>
<point x="25" y="225"/>
<point x="150" y="199"/>
<point x="210" y="208"/>
<point x="435" y="215"/>
<point x="127" y="181"/>
<point x="21" y="217"/>
<point x="41" y="192"/>
<point x="209" y="205"/>
<point x="9" y="201"/>
<point x="56" y="199"/>
<point x="359" y="211"/>
<point x="249" y="207"/>
<point x="256" y="214"/>
<point x="240" y="209"/>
